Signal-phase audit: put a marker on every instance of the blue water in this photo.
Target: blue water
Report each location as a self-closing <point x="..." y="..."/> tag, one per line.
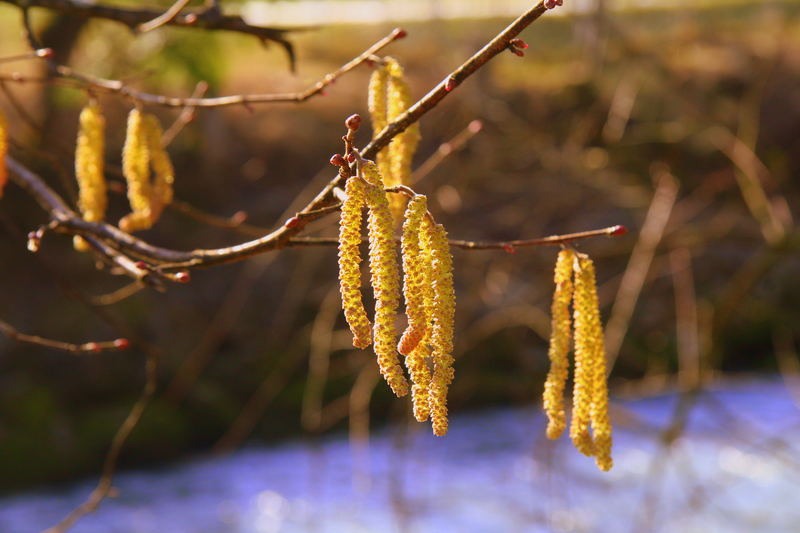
<point x="735" y="468"/>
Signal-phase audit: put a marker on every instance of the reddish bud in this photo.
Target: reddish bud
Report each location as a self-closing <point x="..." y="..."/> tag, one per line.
<point x="351" y="158"/>
<point x="141" y="265"/>
<point x="191" y="18"/>
<point x="238" y="217"/>
<point x="450" y="84"/>
<point x="46" y="53"/>
<point x="400" y="33"/>
<point x="293" y="222"/>
<point x="353" y="122"/>
<point x="369" y="62"/>
<point x="183" y="277"/>
<point x="509" y="249"/>
<point x="323" y="92"/>
<point x="518" y="53"/>
<point x="518" y="43"/>
<point x="618" y="230"/>
<point x="122" y="344"/>
<point x="92" y="347"/>
<point x="337" y="160"/>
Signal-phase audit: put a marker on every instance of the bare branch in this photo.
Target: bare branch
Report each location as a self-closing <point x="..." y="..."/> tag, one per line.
<point x="206" y="18"/>
<point x="87" y="347"/>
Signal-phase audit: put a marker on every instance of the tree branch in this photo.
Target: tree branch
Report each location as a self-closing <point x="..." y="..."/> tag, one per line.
<point x="205" y="18"/>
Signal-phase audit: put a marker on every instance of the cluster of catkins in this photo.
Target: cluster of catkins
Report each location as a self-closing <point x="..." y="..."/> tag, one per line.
<point x="575" y="283"/>
<point x="427" y="285"/>
<point x="143" y="149"/>
<point x="388" y="98"/>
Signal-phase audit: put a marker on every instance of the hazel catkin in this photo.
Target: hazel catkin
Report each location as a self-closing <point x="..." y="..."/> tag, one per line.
<point x="164" y="173"/>
<point x="136" y="169"/>
<point x="350" y="263"/>
<point x="404" y="145"/>
<point x="415" y="341"/>
<point x="589" y="330"/>
<point x="443" y="313"/>
<point x="560" y="330"/>
<point x="415" y="283"/>
<point x="89" y="166"/>
<point x="385" y="279"/>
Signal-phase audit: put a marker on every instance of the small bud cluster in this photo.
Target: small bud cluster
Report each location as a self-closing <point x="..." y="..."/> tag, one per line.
<point x="89" y="167"/>
<point x="3" y="152"/>
<point x="388" y="98"/>
<point x="427" y="287"/>
<point x="590" y="428"/>
<point x="144" y="149"/>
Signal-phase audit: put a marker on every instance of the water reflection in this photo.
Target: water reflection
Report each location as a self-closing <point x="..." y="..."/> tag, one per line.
<point x="734" y="467"/>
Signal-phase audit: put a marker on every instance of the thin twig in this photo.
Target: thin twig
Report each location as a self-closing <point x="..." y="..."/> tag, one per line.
<point x="186" y="115"/>
<point x="120" y="87"/>
<point x="165" y="18"/>
<point x="87" y="347"/>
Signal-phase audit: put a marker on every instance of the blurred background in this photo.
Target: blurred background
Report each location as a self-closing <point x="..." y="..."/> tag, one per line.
<point x="680" y="120"/>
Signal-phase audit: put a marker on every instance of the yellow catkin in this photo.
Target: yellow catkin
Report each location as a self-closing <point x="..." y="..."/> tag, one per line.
<point x="385" y="282"/>
<point x="403" y="146"/>
<point x="377" y="105"/>
<point x="584" y="364"/>
<point x="414" y="281"/>
<point x="350" y="263"/>
<point x="89" y="164"/>
<point x="443" y="313"/>
<point x="164" y="173"/>
<point x="560" y="331"/>
<point x="592" y="333"/>
<point x="415" y="341"/>
<point x="3" y="152"/>
<point x="136" y="168"/>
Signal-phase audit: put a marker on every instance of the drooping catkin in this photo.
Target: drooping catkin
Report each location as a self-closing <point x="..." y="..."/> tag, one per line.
<point x="350" y="263"/>
<point x="89" y="166"/>
<point x="377" y="105"/>
<point x="164" y="173"/>
<point x="415" y="341"/>
<point x="443" y="313"/>
<point x="591" y="334"/>
<point x="558" y="353"/>
<point x="404" y="145"/>
<point x="585" y="360"/>
<point x="3" y="152"/>
<point x="136" y="168"/>
<point x="414" y="282"/>
<point x="385" y="283"/>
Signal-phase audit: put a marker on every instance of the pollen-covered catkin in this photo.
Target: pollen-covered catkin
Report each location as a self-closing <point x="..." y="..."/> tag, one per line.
<point x="89" y="164"/>
<point x="592" y="334"/>
<point x="350" y="263"/>
<point x="443" y="313"/>
<point x="560" y="331"/>
<point x="414" y="281"/>
<point x="377" y="105"/>
<point x="415" y="341"/>
<point x="386" y="284"/>
<point x="164" y="173"/>
<point x="136" y="168"/>
<point x="585" y="360"/>
<point x="3" y="152"/>
<point x="404" y="145"/>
